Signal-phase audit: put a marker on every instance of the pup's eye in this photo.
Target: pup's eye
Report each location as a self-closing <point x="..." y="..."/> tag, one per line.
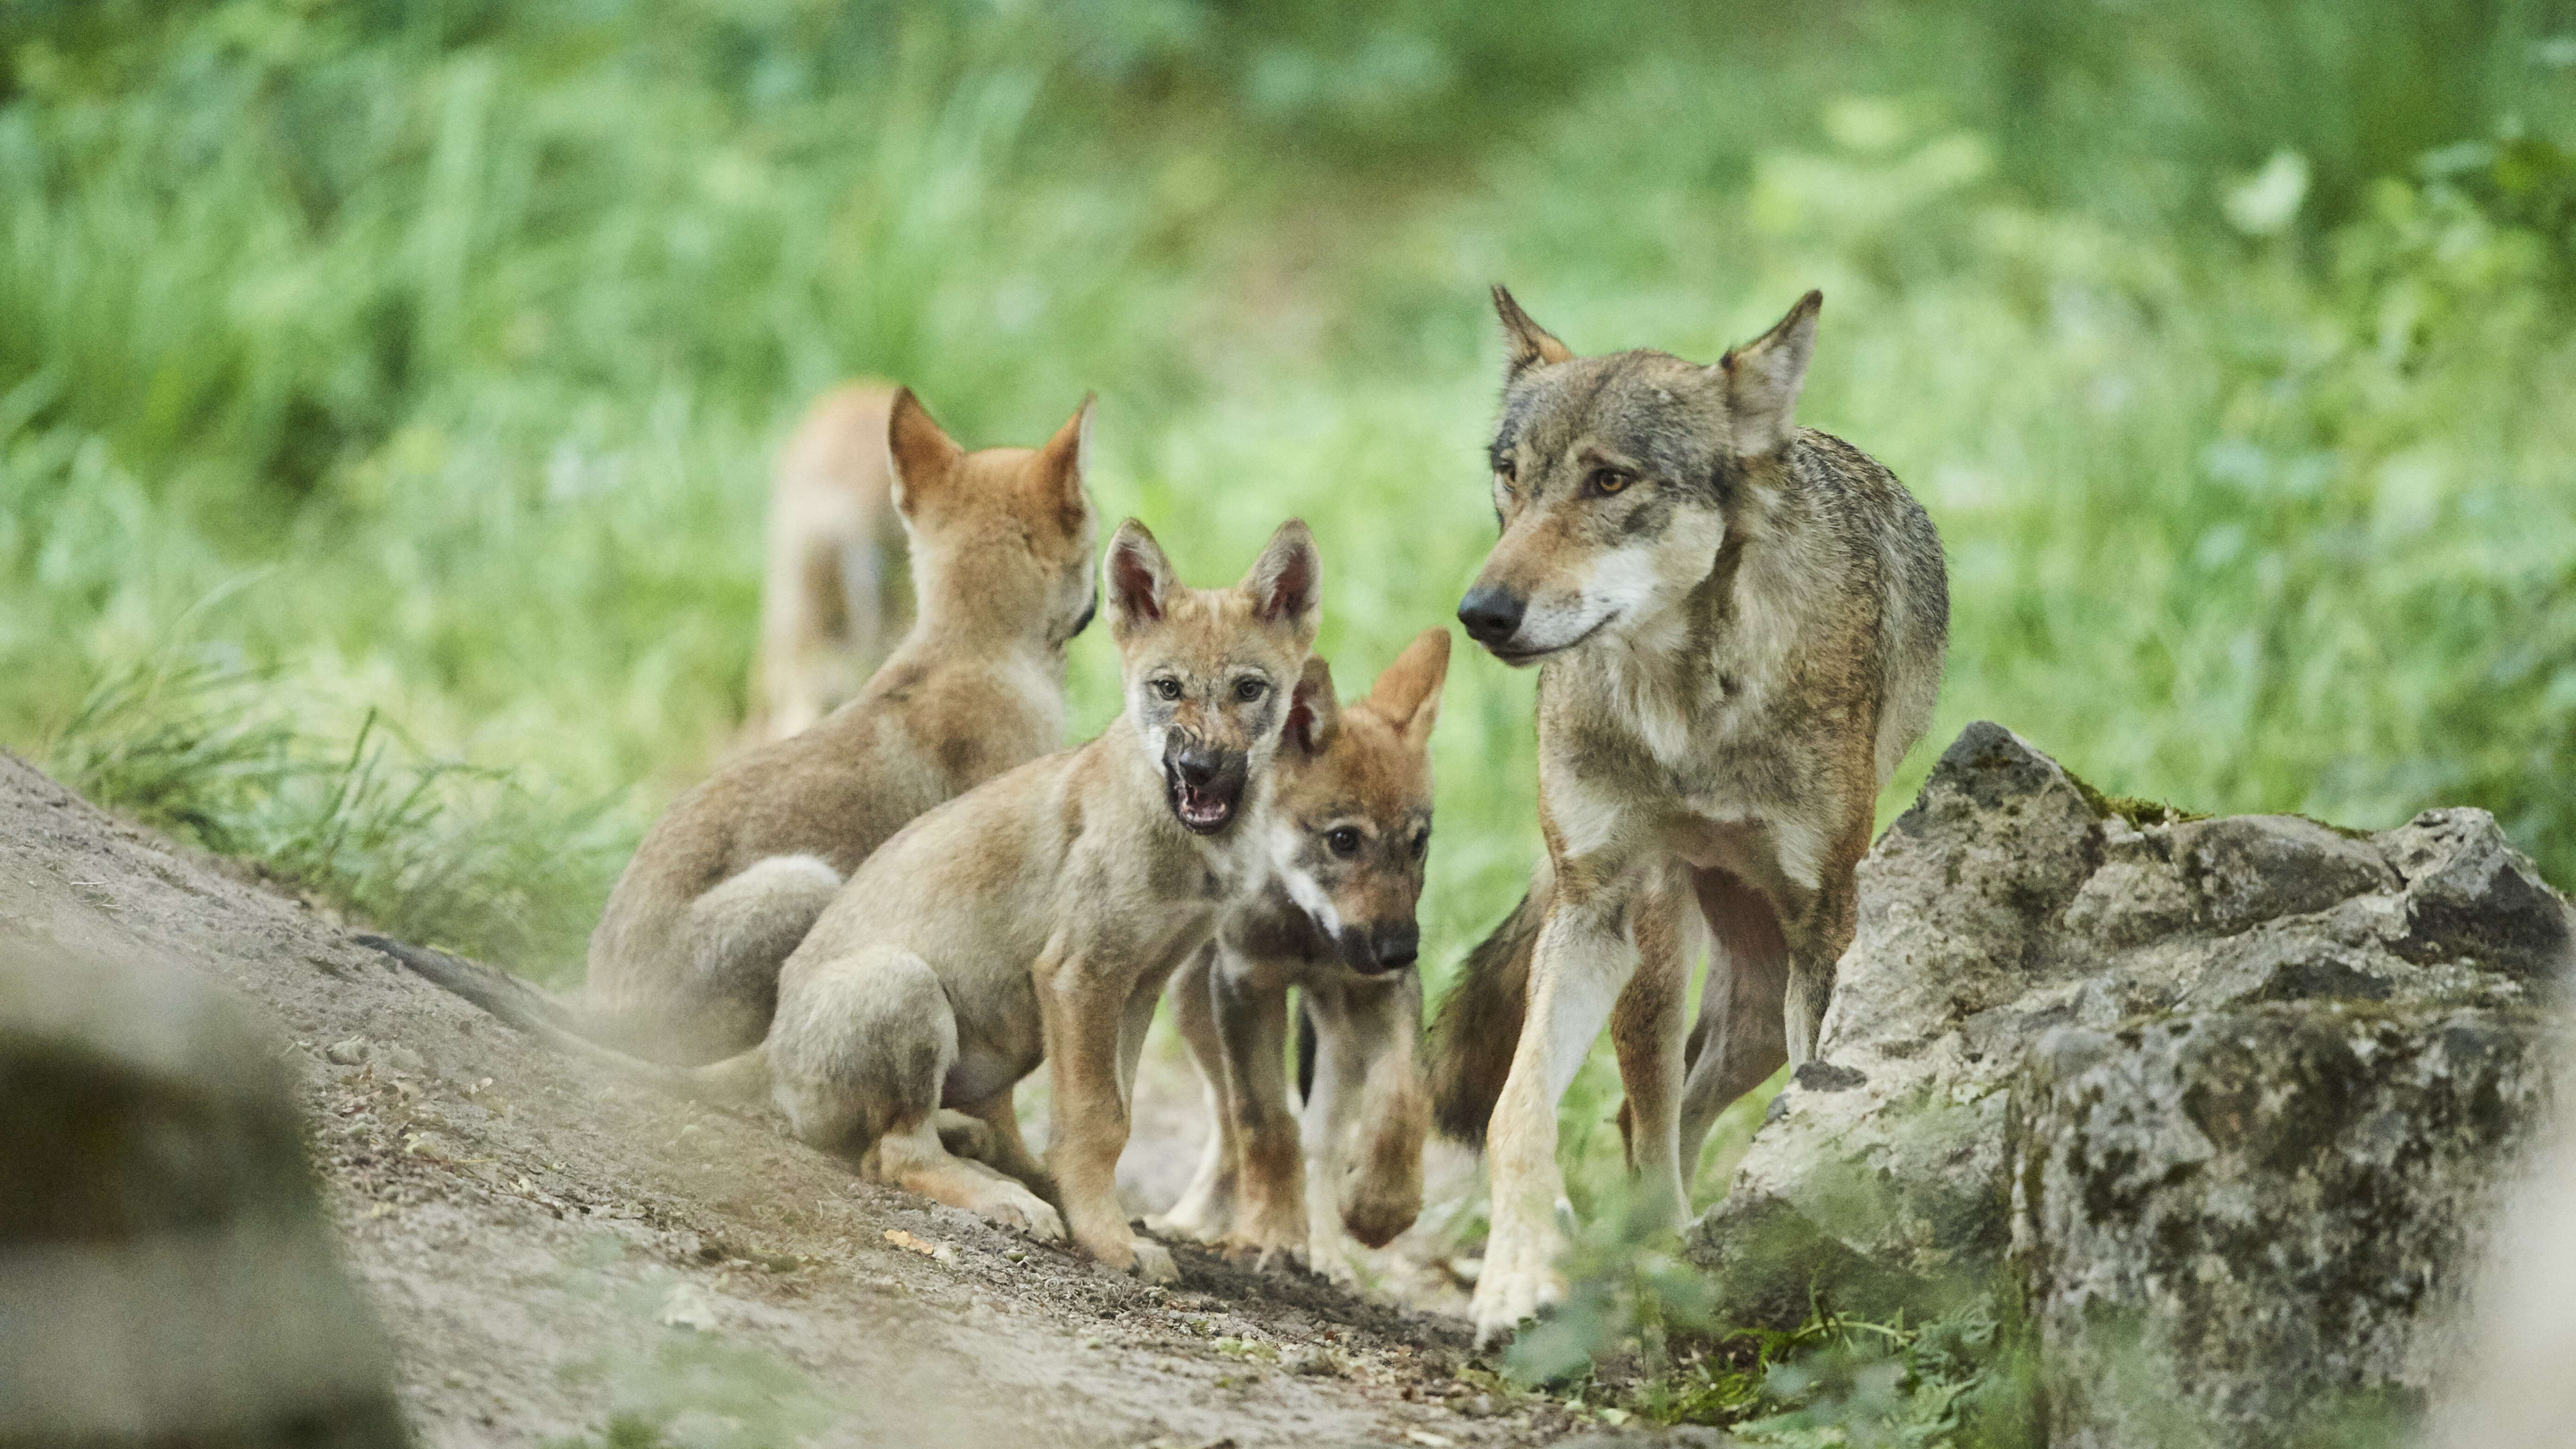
<point x="1421" y="843"/>
<point x="1168" y="688"/>
<point x="1344" y="840"/>
<point x="1504" y="471"/>
<point x="1249" y="690"/>
<point x="1607" y="481"/>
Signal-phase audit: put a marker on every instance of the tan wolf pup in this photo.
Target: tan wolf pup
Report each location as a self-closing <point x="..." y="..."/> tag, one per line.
<point x="1037" y="917"/>
<point x="832" y="599"/>
<point x="1743" y="623"/>
<point x="1350" y="833"/>
<point x="684" y="963"/>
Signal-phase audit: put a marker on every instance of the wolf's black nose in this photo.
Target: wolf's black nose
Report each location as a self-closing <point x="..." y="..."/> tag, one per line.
<point x="1198" y="767"/>
<point x="1491" y="614"/>
<point x="1397" y="944"/>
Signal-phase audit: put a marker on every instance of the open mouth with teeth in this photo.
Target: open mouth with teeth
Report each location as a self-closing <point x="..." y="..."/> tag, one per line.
<point x="1207" y="806"/>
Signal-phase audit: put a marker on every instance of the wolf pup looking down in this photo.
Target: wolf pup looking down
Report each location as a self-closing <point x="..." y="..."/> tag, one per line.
<point x="1037" y="917"/>
<point x="1350" y="834"/>
<point x="1742" y="624"/>
<point x="684" y="963"/>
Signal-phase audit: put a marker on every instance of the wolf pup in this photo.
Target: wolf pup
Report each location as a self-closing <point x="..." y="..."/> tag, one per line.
<point x="1038" y="916"/>
<point x="831" y="600"/>
<point x="684" y="963"/>
<point x="1350" y="832"/>
<point x="1743" y="624"/>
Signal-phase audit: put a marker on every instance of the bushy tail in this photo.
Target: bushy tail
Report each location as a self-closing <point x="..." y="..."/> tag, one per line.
<point x="735" y="1081"/>
<point x="1479" y="1024"/>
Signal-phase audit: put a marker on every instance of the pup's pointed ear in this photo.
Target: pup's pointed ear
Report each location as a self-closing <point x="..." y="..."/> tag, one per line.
<point x="1058" y="470"/>
<point x="1407" y="695"/>
<point x="1526" y="344"/>
<point x="1763" y="376"/>
<point x="1286" y="581"/>
<point x="1313" y="713"/>
<point x="1141" y="582"/>
<point x="924" y="457"/>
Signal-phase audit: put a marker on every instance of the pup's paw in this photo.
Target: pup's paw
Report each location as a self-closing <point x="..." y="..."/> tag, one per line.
<point x="964" y="1136"/>
<point x="1195" y="1221"/>
<point x="1154" y="1263"/>
<point x="1264" y="1255"/>
<point x="1015" y="1207"/>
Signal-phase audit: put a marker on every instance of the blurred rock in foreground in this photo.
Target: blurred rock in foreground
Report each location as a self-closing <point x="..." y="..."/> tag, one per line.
<point x="2219" y="1106"/>
<point x="166" y="1272"/>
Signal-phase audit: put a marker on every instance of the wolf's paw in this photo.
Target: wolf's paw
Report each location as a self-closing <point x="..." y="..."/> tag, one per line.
<point x="1015" y="1207"/>
<point x="1507" y="1295"/>
<point x="1154" y="1263"/>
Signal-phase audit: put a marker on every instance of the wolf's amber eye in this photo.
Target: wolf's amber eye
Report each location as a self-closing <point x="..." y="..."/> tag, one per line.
<point x="1608" y="481"/>
<point x="1168" y="688"/>
<point x="1344" y="840"/>
<point x="1249" y="690"/>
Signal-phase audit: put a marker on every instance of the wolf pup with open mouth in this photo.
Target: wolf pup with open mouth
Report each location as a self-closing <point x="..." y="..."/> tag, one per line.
<point x="1742" y="624"/>
<point x="1350" y="833"/>
<point x="1036" y="918"/>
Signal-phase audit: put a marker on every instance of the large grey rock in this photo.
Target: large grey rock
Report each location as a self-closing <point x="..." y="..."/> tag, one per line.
<point x="167" y="1275"/>
<point x="2258" y="1225"/>
<point x="2013" y="905"/>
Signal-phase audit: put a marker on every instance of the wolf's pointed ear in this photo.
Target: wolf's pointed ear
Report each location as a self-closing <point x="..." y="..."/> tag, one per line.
<point x="1407" y="695"/>
<point x="1057" y="471"/>
<point x="1286" y="581"/>
<point x="1763" y="376"/>
<point x="1313" y="713"/>
<point x="922" y="456"/>
<point x="1141" y="582"/>
<point x="1526" y="344"/>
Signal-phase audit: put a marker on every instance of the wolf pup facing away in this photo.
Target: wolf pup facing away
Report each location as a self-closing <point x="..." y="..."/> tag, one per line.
<point x="1038" y="916"/>
<point x="1350" y="833"/>
<point x="831" y="601"/>
<point x="684" y="963"/>
<point x="1743" y="624"/>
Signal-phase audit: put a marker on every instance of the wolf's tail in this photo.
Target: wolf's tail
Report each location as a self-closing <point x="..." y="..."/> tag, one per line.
<point x="735" y="1081"/>
<point x="1479" y="1025"/>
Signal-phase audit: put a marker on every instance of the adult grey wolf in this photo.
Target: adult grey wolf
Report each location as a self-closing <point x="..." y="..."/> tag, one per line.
<point x="1742" y="624"/>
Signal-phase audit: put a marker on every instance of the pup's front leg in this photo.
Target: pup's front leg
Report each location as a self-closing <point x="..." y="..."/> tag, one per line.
<point x="1205" y="1210"/>
<point x="1582" y="961"/>
<point x="1252" y="1020"/>
<point x="1085" y="1006"/>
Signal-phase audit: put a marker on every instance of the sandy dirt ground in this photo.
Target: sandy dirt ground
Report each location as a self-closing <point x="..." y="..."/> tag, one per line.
<point x="549" y="1248"/>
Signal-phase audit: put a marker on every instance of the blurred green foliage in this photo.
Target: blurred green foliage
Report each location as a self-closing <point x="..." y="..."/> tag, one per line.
<point x="420" y="362"/>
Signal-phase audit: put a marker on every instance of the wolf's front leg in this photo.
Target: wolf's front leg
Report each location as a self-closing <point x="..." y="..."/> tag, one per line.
<point x="1085" y="1006"/>
<point x="1582" y="961"/>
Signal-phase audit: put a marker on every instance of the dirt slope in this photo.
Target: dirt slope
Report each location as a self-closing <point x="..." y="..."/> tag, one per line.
<point x="549" y="1248"/>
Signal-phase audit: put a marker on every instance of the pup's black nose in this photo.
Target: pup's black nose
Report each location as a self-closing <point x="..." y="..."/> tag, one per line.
<point x="1491" y="614"/>
<point x="1198" y="767"/>
<point x="1397" y="944"/>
